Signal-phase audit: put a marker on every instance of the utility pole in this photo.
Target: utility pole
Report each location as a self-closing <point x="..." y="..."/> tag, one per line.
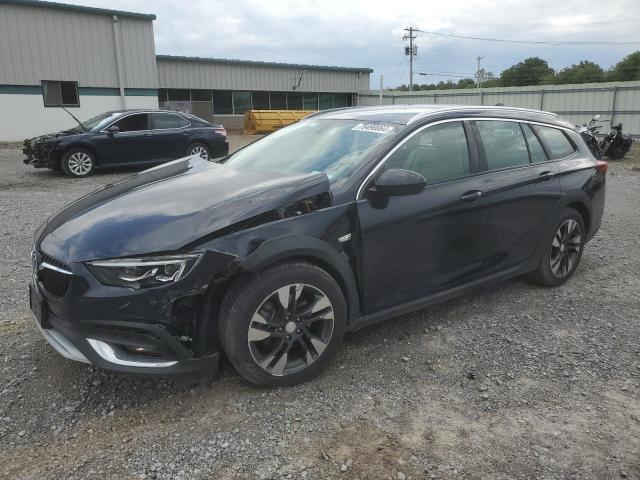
<point x="412" y="51"/>
<point x="478" y="72"/>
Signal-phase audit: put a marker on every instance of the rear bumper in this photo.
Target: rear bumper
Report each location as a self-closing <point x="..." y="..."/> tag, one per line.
<point x="101" y="344"/>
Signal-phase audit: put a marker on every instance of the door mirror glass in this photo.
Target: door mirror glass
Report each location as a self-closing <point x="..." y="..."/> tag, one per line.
<point x="398" y="181"/>
<point x="113" y="129"/>
<point x="596" y="117"/>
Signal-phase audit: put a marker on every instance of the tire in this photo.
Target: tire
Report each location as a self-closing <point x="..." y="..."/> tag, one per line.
<point x="255" y="331"/>
<point x="199" y="149"/>
<point x="78" y="163"/>
<point x="562" y="253"/>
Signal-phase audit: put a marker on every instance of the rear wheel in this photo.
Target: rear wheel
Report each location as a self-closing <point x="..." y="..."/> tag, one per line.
<point x="282" y="326"/>
<point x="563" y="252"/>
<point x="200" y="150"/>
<point x="78" y="163"/>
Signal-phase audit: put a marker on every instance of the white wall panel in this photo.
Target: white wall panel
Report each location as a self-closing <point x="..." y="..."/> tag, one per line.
<point x="30" y="118"/>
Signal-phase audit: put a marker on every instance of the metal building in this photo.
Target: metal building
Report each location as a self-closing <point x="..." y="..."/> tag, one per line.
<point x="91" y="60"/>
<point x="210" y="87"/>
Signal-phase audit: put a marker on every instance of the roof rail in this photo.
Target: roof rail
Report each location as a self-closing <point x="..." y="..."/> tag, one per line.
<point x="483" y="107"/>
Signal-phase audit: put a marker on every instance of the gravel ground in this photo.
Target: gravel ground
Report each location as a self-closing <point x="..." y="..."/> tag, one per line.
<point x="514" y="382"/>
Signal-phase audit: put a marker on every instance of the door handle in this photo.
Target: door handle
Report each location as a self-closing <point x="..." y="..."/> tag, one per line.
<point x="147" y="134"/>
<point x="546" y="175"/>
<point x="471" y="196"/>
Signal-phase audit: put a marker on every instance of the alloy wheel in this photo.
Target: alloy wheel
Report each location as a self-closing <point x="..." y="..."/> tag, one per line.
<point x="80" y="163"/>
<point x="565" y="248"/>
<point x="290" y="329"/>
<point x="199" y="151"/>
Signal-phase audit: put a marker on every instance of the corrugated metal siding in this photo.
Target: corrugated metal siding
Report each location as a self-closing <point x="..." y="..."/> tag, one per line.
<point x="45" y="44"/>
<point x="139" y="57"/>
<point x="185" y="74"/>
<point x="575" y="103"/>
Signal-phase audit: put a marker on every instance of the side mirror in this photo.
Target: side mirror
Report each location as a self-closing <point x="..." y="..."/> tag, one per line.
<point x="398" y="181"/>
<point x="596" y="117"/>
<point x="112" y="130"/>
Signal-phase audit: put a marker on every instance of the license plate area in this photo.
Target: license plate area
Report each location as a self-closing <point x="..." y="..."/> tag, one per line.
<point x="38" y="307"/>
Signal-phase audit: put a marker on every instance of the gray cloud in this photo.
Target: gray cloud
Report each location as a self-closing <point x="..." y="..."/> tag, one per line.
<point x="368" y="34"/>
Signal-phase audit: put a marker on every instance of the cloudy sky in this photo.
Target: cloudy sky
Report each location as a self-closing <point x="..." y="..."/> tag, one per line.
<point x="369" y="33"/>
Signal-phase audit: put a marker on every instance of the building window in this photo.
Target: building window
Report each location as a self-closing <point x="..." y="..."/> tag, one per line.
<point x="201" y="95"/>
<point x="260" y="100"/>
<point x="60" y="94"/>
<point x="294" y="101"/>
<point x="222" y="102"/>
<point x="178" y="95"/>
<point x="241" y="102"/>
<point x="163" y="95"/>
<point x="325" y="101"/>
<point x="339" y="100"/>
<point x="310" y="101"/>
<point x="278" y="100"/>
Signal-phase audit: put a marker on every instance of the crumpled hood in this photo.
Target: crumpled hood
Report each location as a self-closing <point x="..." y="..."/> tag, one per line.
<point x="51" y="136"/>
<point x="167" y="207"/>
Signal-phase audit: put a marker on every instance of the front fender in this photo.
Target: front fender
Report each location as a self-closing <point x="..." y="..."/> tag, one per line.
<point x="297" y="246"/>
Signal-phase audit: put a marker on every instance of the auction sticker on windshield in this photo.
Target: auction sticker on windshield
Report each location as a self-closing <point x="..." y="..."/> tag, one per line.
<point x="373" y="128"/>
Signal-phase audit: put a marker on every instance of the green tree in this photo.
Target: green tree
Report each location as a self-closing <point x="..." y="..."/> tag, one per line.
<point x="626" y="69"/>
<point x="529" y="72"/>
<point x="583" y="72"/>
<point x="466" y="83"/>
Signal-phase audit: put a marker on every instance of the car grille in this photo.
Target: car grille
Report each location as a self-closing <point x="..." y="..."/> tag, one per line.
<point x="53" y="281"/>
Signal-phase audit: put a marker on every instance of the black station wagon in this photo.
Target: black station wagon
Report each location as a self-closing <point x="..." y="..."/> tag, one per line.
<point x="346" y="218"/>
<point x="126" y="138"/>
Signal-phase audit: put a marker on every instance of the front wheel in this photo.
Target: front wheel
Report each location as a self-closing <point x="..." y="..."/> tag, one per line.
<point x="199" y="150"/>
<point x="283" y="325"/>
<point x="563" y="251"/>
<point x="78" y="163"/>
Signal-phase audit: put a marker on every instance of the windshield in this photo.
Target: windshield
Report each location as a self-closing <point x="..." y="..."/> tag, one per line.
<point x="101" y="119"/>
<point x="335" y="147"/>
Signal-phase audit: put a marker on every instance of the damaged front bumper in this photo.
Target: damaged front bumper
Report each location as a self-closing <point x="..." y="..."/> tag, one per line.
<point x="161" y="331"/>
<point x="110" y="348"/>
<point x="40" y="154"/>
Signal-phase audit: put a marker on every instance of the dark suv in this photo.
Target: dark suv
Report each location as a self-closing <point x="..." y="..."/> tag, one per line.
<point x="346" y="218"/>
<point x="126" y="138"/>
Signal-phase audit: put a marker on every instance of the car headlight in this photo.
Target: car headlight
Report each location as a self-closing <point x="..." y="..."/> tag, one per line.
<point x="143" y="272"/>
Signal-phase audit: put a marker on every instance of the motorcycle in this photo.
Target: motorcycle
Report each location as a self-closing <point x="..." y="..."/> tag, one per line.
<point x="588" y="134"/>
<point x="616" y="144"/>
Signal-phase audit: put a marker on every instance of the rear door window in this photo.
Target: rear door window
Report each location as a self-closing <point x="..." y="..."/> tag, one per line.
<point x="439" y="153"/>
<point x="557" y="142"/>
<point x="535" y="147"/>
<point x="163" y="121"/>
<point x="503" y="144"/>
<point x="133" y="123"/>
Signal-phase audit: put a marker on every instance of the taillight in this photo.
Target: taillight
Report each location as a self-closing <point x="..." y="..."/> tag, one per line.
<point x="220" y="131"/>
<point x="601" y="167"/>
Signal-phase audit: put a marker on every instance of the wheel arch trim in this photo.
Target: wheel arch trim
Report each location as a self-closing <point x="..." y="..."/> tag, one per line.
<point x="316" y="251"/>
<point x="84" y="146"/>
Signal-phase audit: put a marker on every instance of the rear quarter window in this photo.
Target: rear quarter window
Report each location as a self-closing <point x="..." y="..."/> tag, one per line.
<point x="556" y="141"/>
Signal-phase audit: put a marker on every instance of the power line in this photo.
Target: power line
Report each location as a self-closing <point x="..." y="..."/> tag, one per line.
<point x="440" y="74"/>
<point x="532" y="42"/>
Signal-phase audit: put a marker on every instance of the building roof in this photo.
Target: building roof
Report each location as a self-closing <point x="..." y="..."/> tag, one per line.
<point x="254" y="63"/>
<point x="77" y="8"/>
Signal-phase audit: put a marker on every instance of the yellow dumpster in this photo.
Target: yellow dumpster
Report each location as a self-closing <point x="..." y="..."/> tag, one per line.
<point x="265" y="121"/>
